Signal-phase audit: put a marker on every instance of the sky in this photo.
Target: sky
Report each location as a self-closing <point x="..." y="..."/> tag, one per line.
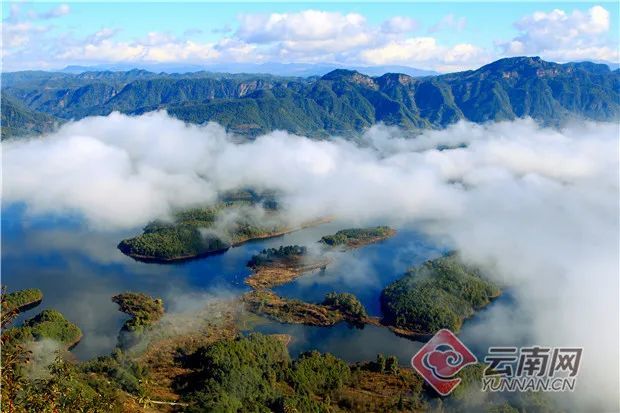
<point x="436" y="36"/>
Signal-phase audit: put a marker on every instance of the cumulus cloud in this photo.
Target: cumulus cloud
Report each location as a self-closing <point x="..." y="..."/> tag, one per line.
<point x="19" y="31"/>
<point x="536" y="207"/>
<point x="23" y="32"/>
<point x="564" y="36"/>
<point x="425" y="51"/>
<point x="307" y="36"/>
<point x="18" y="35"/>
<point x="310" y="25"/>
<point x="310" y="36"/>
<point x="154" y="47"/>
<point x="314" y="35"/>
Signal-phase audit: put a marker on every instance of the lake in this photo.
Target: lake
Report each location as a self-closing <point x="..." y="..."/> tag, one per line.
<point x="79" y="269"/>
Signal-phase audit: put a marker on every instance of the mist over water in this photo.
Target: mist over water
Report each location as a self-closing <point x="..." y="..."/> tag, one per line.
<point x="536" y="207"/>
<point x="79" y="275"/>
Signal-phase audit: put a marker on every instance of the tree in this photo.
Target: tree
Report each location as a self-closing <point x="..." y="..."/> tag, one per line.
<point x="380" y="364"/>
<point x="391" y="365"/>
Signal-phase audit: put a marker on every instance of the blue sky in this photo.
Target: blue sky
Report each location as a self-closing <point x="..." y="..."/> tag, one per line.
<point x="439" y="36"/>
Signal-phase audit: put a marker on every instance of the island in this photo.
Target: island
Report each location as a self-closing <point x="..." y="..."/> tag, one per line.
<point x="49" y="324"/>
<point x="276" y="266"/>
<point x="347" y="304"/>
<point x="200" y="232"/>
<point x="144" y="311"/>
<point x="22" y="300"/>
<point x="440" y="293"/>
<point x="357" y="237"/>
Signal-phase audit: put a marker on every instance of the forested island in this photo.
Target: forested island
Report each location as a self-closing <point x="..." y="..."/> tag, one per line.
<point x="22" y="300"/>
<point x="197" y="232"/>
<point x="357" y="237"/>
<point x="441" y="293"/>
<point x="143" y="310"/>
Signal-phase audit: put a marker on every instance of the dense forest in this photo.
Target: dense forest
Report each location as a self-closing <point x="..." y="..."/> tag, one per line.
<point x="441" y="293"/>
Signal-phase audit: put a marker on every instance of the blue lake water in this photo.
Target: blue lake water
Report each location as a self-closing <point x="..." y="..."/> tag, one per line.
<point x="79" y="269"/>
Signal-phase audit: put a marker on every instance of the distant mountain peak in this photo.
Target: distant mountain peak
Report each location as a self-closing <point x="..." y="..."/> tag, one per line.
<point x="515" y="63"/>
<point x="513" y="67"/>
<point x="339" y="74"/>
<point x="352" y="76"/>
<point x="393" y="78"/>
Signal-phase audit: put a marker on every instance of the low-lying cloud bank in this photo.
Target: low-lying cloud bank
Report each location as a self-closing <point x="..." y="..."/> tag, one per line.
<point x="538" y="207"/>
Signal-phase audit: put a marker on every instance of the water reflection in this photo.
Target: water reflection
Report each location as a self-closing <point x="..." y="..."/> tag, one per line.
<point x="365" y="271"/>
<point x="344" y="341"/>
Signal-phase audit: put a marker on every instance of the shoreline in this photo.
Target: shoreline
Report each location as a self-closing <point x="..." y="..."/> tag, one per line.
<point x="28" y="306"/>
<point x="268" y="304"/>
<point x="354" y="244"/>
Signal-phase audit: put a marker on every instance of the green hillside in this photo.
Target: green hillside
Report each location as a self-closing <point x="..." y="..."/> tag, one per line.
<point x="18" y="120"/>
<point x="341" y="102"/>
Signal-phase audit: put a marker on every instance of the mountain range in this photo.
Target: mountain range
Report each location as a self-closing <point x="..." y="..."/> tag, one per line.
<point x="342" y="101"/>
<point x="269" y="68"/>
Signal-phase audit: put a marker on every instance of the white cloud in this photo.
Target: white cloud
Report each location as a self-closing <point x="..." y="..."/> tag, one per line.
<point x="307" y="36"/>
<point x="564" y="36"/>
<point x="313" y="36"/>
<point x="308" y="25"/>
<point x="104" y="33"/>
<point x="20" y="34"/>
<point x="154" y="47"/>
<point x="424" y="50"/>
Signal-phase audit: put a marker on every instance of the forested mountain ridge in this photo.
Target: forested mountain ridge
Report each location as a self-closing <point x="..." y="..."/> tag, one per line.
<point x="18" y="120"/>
<point x="340" y="102"/>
